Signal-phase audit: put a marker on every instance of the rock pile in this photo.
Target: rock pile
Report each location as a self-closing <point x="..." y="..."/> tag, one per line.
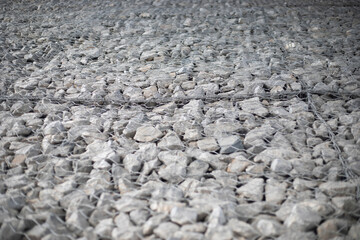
<point x="179" y="120"/>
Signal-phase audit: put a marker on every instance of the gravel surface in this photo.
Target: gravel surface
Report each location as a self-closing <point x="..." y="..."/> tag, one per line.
<point x="179" y="120"/>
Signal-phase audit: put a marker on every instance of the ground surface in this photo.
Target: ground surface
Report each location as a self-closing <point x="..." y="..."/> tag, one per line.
<point x="179" y="120"/>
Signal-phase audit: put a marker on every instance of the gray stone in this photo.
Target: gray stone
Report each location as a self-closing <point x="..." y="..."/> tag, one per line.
<point x="175" y="156"/>
<point x="17" y="181"/>
<point x="128" y="204"/>
<point x="147" y="134"/>
<point x="269" y="227"/>
<point x="332" y="228"/>
<point x="281" y="167"/>
<point x="183" y="216"/>
<point x="219" y="232"/>
<point x="354" y="232"/>
<point x="171" y="141"/>
<point x="230" y="144"/>
<point x="275" y="191"/>
<point x="99" y="150"/>
<point x="98" y="215"/>
<point x="192" y="134"/>
<point x="242" y="229"/>
<point x="187" y="235"/>
<point x="197" y="169"/>
<point x="53" y="128"/>
<point x="216" y="218"/>
<point x="166" y="230"/>
<point x="152" y="223"/>
<point x="208" y="144"/>
<point x="10" y="229"/>
<point x="302" y="218"/>
<point x="20" y="108"/>
<point x="334" y="189"/>
<point x="297" y="235"/>
<point x="173" y="173"/>
<point x="252" y="190"/>
<point x="253" y="105"/>
<point x="139" y="216"/>
<point x="104" y="228"/>
<point x="77" y="221"/>
<point x="132" y="163"/>
<point x="269" y="154"/>
<point x="347" y="204"/>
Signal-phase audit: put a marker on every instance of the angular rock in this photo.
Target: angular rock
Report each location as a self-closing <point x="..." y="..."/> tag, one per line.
<point x="147" y="134"/>
<point x="152" y="223"/>
<point x="166" y="230"/>
<point x="253" y="105"/>
<point x="334" y="189"/>
<point x="230" y="144"/>
<point x="269" y="227"/>
<point x="332" y="228"/>
<point x="132" y="163"/>
<point x="208" y="144"/>
<point x="173" y="173"/>
<point x="77" y="221"/>
<point x="252" y="190"/>
<point x="242" y="229"/>
<point x="275" y="191"/>
<point x="183" y="216"/>
<point x="171" y="141"/>
<point x="302" y="218"/>
<point x="281" y="167"/>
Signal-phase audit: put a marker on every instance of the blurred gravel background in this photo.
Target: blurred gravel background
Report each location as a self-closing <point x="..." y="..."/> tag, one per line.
<point x="179" y="119"/>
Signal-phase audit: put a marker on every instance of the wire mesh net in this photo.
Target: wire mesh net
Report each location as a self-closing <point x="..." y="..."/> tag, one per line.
<point x="179" y="120"/>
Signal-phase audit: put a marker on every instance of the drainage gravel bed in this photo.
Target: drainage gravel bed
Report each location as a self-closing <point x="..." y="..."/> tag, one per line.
<point x="179" y="120"/>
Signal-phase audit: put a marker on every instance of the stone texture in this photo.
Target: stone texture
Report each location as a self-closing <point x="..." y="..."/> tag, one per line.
<point x="183" y="216"/>
<point x="253" y="190"/>
<point x="147" y="134"/>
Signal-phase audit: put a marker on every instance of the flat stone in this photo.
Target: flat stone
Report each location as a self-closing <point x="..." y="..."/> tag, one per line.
<point x="230" y="144"/>
<point x="253" y="105"/>
<point x="252" y="190"/>
<point x="208" y="144"/>
<point x="183" y="216"/>
<point x="147" y="134"/>
<point x="334" y="189"/>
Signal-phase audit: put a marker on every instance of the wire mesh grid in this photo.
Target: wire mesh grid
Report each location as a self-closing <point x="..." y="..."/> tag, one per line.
<point x="172" y="131"/>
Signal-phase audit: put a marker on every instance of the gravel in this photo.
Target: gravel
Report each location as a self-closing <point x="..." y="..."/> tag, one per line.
<point x="179" y="120"/>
